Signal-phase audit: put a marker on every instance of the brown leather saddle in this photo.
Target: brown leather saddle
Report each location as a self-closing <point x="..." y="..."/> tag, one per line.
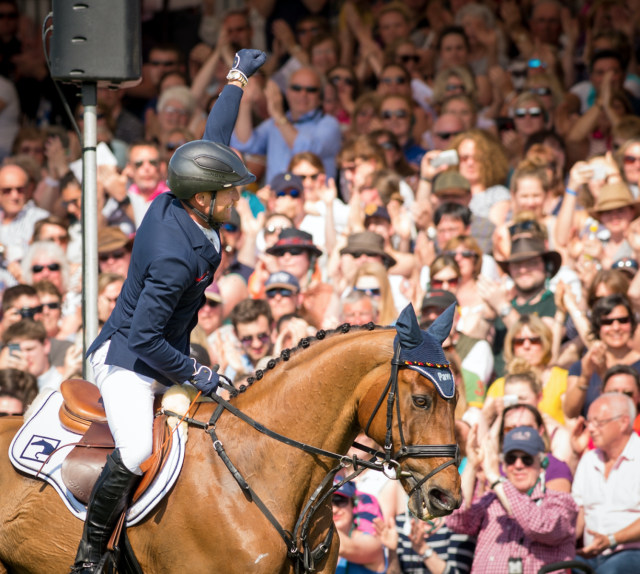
<point x="82" y="412"/>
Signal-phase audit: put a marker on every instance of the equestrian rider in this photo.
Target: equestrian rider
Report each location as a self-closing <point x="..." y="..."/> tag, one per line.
<point x="174" y="258"/>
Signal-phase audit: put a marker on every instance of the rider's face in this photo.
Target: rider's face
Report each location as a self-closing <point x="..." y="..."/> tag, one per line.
<point x="224" y="202"/>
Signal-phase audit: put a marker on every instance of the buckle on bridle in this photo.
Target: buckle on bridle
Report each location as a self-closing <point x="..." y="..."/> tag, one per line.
<point x="392" y="470"/>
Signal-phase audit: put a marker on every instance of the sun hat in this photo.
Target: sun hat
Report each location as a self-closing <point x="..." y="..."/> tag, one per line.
<point x="528" y="247"/>
<point x="451" y="183"/>
<point x="292" y="237"/>
<point x="112" y="238"/>
<point x="369" y="243"/>
<point x="614" y="196"/>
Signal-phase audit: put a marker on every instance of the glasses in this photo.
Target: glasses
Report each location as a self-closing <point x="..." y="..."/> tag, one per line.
<point x="291" y="251"/>
<point x="75" y="202"/>
<point x="623" y="264"/>
<point x="405" y="59"/>
<point x="533" y="112"/>
<point x="174" y="110"/>
<point x="446" y="135"/>
<point x="154" y="162"/>
<point x="172" y="146"/>
<point x="464" y="158"/>
<point x="339" y="501"/>
<point x="273" y="229"/>
<point x="453" y="87"/>
<point x="311" y="177"/>
<point x="290" y="192"/>
<point x="610" y="321"/>
<point x="41" y="268"/>
<point x="264" y="339"/>
<point x="230" y="227"/>
<point x="104" y="257"/>
<point x="510" y="458"/>
<point x="26" y="149"/>
<point x="21" y="190"/>
<point x="438" y="283"/>
<point x="536" y="63"/>
<point x="388" y="145"/>
<point x="400" y="80"/>
<point x="388" y="114"/>
<point x="52" y="306"/>
<point x="271" y="293"/>
<point x="212" y="304"/>
<point x="164" y="63"/>
<point x="58" y="239"/>
<point x="30" y="312"/>
<point x="630" y="160"/>
<point x="465" y="254"/>
<point x="335" y="80"/>
<point x="540" y="91"/>
<point x="372" y="292"/>
<point x="519" y="341"/>
<point x="304" y="31"/>
<point x="597" y="424"/>
<point x="308" y="89"/>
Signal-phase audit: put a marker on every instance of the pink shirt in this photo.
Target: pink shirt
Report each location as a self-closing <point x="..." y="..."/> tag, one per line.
<point x="541" y="530"/>
<point x="160" y="188"/>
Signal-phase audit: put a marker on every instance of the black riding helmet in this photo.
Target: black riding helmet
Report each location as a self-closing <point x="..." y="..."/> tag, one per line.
<point x="201" y="166"/>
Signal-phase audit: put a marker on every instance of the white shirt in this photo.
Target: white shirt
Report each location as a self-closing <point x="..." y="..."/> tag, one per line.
<point x="211" y="235"/>
<point x="50" y="379"/>
<point x="609" y="504"/>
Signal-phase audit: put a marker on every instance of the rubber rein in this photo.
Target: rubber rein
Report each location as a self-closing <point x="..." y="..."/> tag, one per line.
<point x="306" y="558"/>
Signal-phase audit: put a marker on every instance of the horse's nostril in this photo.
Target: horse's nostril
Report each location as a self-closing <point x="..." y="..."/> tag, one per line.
<point x="441" y="499"/>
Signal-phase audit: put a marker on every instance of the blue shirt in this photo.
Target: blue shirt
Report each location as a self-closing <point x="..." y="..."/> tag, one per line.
<point x="317" y="132"/>
<point x="413" y="152"/>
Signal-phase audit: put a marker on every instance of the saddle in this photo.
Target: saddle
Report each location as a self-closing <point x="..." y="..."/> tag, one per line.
<point x="82" y="412"/>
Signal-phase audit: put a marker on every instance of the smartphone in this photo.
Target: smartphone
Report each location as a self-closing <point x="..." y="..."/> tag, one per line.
<point x="599" y="172"/>
<point x="449" y="157"/>
<point x="509" y="400"/>
<point x="13" y="347"/>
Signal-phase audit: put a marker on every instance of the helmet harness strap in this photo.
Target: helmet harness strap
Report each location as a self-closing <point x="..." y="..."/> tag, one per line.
<point x="207" y="218"/>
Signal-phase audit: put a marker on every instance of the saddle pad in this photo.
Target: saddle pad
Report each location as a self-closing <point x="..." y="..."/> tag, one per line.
<point x="42" y="434"/>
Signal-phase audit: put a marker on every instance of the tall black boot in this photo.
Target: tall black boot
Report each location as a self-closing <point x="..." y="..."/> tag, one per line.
<point x="109" y="498"/>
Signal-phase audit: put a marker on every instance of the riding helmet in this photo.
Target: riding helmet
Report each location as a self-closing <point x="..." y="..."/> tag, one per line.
<point x="202" y="165"/>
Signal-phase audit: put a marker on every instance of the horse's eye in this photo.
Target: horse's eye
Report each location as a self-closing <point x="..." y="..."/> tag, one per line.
<point x="421" y="402"/>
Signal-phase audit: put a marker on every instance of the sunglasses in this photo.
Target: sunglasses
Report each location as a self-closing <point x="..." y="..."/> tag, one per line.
<point x="339" y="501"/>
<point x="264" y="339"/>
<point x="313" y="30"/>
<point x="212" y="304"/>
<point x="409" y="58"/>
<point x="622" y="320"/>
<point x="388" y="145"/>
<point x="103" y="257"/>
<point x="290" y="192"/>
<point x="510" y="458"/>
<point x="52" y="306"/>
<point x="388" y="114"/>
<point x="41" y="268"/>
<point x="625" y="264"/>
<point x="273" y="229"/>
<point x="523" y="226"/>
<point x="8" y="190"/>
<point x="75" y="202"/>
<point x="165" y="64"/>
<point x="447" y="135"/>
<point x="437" y="283"/>
<point x="465" y="254"/>
<point x="172" y="146"/>
<point x="628" y="160"/>
<point x="271" y="293"/>
<point x="519" y="341"/>
<point x="400" y="80"/>
<point x="533" y="112"/>
<point x="308" y="89"/>
<point x="311" y="177"/>
<point x="540" y="91"/>
<point x="372" y="292"/>
<point x="335" y="80"/>
<point x="453" y="87"/>
<point x="154" y="162"/>
<point x="230" y="227"/>
<point x="291" y="251"/>
<point x="29" y="312"/>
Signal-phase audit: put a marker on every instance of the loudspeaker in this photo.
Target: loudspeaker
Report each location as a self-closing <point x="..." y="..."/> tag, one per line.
<point x="96" y="41"/>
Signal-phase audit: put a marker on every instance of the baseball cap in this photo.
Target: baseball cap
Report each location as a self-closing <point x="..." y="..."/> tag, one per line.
<point x="452" y="183"/>
<point x="525" y="439"/>
<point x="286" y="180"/>
<point x="373" y="210"/>
<point x="439" y="298"/>
<point x="282" y="279"/>
<point x="348" y="489"/>
<point x="213" y="292"/>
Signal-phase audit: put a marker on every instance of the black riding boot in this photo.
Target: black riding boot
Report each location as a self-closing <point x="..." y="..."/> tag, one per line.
<point x="109" y="498"/>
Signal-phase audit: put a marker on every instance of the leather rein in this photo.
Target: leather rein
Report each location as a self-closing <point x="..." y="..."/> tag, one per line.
<point x="306" y="558"/>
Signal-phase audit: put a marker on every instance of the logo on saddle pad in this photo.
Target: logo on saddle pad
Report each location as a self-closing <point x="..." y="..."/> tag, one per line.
<point x="39" y="448"/>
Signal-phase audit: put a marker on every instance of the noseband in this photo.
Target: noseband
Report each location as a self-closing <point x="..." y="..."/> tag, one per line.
<point x="306" y="558"/>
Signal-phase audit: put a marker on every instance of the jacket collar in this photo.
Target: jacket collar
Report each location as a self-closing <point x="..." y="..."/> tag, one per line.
<point x="196" y="237"/>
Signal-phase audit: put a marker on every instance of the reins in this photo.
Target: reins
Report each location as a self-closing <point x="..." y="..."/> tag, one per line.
<point x="307" y="558"/>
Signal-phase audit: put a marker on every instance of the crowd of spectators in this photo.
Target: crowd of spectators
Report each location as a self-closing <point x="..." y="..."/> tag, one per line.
<point x="426" y="152"/>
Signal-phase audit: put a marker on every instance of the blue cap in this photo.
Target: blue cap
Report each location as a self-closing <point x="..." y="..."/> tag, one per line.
<point x="373" y="210"/>
<point x="348" y="489"/>
<point x="282" y="279"/>
<point x="286" y="180"/>
<point x="525" y="439"/>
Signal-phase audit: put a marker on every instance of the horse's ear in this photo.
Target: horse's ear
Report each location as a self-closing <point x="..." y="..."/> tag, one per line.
<point x="441" y="327"/>
<point x="409" y="332"/>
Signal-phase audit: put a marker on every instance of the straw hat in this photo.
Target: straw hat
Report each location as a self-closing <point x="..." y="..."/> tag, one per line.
<point x="528" y="248"/>
<point x="614" y="196"/>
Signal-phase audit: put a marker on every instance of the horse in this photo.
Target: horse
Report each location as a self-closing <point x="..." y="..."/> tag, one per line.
<point x="321" y="395"/>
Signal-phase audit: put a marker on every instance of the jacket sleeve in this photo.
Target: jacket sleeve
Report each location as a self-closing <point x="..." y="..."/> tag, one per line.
<point x="166" y="281"/>
<point x="551" y="522"/>
<point x="224" y="113"/>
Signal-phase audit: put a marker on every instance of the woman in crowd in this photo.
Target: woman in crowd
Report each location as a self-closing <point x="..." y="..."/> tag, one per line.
<point x="372" y="278"/>
<point x="628" y="157"/>
<point x="344" y="82"/>
<point x="453" y="81"/>
<point x="444" y="273"/>
<point x="364" y="118"/>
<point x="396" y="115"/>
<point x="529" y="117"/>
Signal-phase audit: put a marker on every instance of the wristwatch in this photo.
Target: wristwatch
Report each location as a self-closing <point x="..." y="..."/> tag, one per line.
<point x="612" y="540"/>
<point x="505" y="309"/>
<point x="498" y="481"/>
<point x="428" y="553"/>
<point x="236" y="75"/>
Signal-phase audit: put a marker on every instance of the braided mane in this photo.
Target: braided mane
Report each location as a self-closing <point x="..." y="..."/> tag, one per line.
<point x="305" y="343"/>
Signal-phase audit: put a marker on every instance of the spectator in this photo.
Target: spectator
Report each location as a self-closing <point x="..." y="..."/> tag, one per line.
<point x="53" y="229"/>
<point x="447" y="126"/>
<point x="114" y="251"/>
<point x="253" y="325"/>
<point x="358" y="308"/>
<point x="520" y="523"/>
<point x="17" y="391"/>
<point x="20" y="302"/>
<point x="371" y="278"/>
<point x="283" y="294"/>
<point x="396" y="115"/>
<point x="210" y="314"/>
<point x="109" y="287"/>
<point x="296" y="254"/>
<point x="51" y="303"/>
<point x="624" y="379"/>
<point x="367" y="246"/>
<point x="232" y="240"/>
<point x="128" y="127"/>
<point x="46" y="261"/>
<point x="303" y="128"/>
<point x="33" y="356"/>
<point x="604" y="487"/>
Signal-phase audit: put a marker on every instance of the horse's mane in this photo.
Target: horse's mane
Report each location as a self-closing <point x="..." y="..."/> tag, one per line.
<point x="305" y="343"/>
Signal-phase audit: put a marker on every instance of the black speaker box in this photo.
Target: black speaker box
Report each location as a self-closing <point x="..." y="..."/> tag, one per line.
<point x="96" y="41"/>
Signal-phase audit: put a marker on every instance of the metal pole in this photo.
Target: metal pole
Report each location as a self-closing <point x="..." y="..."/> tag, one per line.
<point x="89" y="222"/>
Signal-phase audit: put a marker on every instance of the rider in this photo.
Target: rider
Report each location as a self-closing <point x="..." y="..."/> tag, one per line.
<point x="174" y="258"/>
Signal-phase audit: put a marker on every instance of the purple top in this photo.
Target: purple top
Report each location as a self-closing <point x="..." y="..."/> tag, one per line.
<point x="556" y="469"/>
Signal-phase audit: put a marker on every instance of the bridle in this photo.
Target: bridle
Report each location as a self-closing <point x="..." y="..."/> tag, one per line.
<point x="305" y="557"/>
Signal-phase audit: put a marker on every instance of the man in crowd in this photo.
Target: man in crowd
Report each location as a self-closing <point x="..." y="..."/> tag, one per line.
<point x="282" y="291"/>
<point x="19" y="302"/>
<point x="253" y="325"/>
<point x="359" y="309"/>
<point x="109" y="287"/>
<point x="114" y="251"/>
<point x="296" y="254"/>
<point x="231" y="239"/>
<point x="624" y="379"/>
<point x="605" y="487"/>
<point x="445" y="128"/>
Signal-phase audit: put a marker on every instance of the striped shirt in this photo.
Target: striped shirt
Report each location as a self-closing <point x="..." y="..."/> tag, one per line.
<point x="455" y="549"/>
<point x="16" y="235"/>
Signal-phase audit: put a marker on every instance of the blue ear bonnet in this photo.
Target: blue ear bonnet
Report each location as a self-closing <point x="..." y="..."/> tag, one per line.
<point x="422" y="351"/>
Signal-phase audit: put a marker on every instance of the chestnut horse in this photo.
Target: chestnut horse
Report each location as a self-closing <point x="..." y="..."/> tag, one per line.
<point x="322" y="396"/>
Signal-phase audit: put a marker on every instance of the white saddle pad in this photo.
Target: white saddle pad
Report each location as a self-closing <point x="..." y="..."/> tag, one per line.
<point x="42" y="434"/>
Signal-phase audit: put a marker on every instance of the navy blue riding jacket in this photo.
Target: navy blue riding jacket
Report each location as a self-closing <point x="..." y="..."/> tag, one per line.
<point x="172" y="263"/>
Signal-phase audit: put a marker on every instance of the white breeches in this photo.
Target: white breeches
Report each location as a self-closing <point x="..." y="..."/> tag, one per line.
<point x="128" y="402"/>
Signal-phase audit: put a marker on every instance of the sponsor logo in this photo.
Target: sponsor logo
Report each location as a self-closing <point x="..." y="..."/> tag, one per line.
<point x="198" y="279"/>
<point x="444" y="376"/>
<point x="39" y="448"/>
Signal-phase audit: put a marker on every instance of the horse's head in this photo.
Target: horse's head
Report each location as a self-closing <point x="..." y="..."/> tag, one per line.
<point x="423" y="415"/>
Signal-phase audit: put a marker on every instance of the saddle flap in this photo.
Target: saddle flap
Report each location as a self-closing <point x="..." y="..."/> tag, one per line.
<point x="152" y="466"/>
<point x="82" y="399"/>
<point x="98" y="436"/>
